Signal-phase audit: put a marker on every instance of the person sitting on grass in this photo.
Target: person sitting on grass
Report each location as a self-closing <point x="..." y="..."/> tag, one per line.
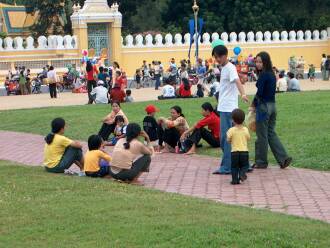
<point x="129" y="97"/>
<point x="130" y="157"/>
<point x="185" y="89"/>
<point x="109" y="124"/>
<point x="238" y="136"/>
<point x="151" y="127"/>
<point x="193" y="135"/>
<point x="100" y="93"/>
<point x="281" y="84"/>
<point x="293" y="84"/>
<point x="61" y="152"/>
<point x="172" y="129"/>
<point x="200" y="91"/>
<point x="117" y="94"/>
<point x="96" y="160"/>
<point x="168" y="91"/>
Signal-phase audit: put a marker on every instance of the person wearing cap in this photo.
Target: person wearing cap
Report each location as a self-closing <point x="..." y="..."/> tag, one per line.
<point x="151" y="127"/>
<point x="100" y="93"/>
<point x="117" y="94"/>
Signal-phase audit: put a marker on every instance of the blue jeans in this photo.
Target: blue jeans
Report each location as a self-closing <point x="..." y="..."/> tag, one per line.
<point x="225" y="124"/>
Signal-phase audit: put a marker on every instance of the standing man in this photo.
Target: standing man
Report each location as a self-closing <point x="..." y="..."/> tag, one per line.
<point x="323" y="70"/>
<point x="230" y="88"/>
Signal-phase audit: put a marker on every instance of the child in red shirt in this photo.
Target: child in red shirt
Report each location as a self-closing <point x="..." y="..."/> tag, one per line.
<point x="185" y="89"/>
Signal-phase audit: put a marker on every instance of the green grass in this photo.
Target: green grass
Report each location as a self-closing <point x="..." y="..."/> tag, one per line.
<point x="303" y="123"/>
<point x="39" y="209"/>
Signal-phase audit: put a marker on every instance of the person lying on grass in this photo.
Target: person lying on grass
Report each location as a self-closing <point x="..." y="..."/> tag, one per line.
<point x="61" y="152"/>
<point x="193" y="135"/>
<point x="96" y="160"/>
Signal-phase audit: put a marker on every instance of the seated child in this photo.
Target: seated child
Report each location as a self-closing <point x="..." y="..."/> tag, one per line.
<point x="200" y="91"/>
<point x="96" y="161"/>
<point x="168" y="91"/>
<point x="120" y="130"/>
<point x="129" y="97"/>
<point x="151" y="127"/>
<point x="238" y="136"/>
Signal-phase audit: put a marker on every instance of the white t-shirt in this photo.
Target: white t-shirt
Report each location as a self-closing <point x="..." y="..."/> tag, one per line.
<point x="101" y="94"/>
<point x="282" y="84"/>
<point x="168" y="91"/>
<point x="228" y="91"/>
<point x="323" y="61"/>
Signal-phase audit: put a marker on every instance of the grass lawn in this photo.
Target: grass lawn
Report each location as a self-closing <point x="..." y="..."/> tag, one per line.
<point x="303" y="123"/>
<point x="46" y="210"/>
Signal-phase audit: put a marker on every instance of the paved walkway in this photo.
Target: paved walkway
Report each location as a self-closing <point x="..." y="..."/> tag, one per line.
<point x="145" y="94"/>
<point x="293" y="191"/>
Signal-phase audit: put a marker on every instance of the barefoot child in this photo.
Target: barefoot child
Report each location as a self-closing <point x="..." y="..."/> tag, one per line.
<point x="96" y="160"/>
<point x="120" y="130"/>
<point x="238" y="136"/>
<point x="151" y="127"/>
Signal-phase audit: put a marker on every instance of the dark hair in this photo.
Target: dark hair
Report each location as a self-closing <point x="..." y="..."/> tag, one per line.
<point x="115" y="102"/>
<point x="186" y="84"/>
<point x="57" y="124"/>
<point x="128" y="92"/>
<point x="94" y="142"/>
<point x="290" y="75"/>
<point x="238" y="116"/>
<point x="220" y="51"/>
<point x="51" y="68"/>
<point x="118" y="73"/>
<point x="133" y="130"/>
<point x="89" y="66"/>
<point x="101" y="69"/>
<point x="280" y="75"/>
<point x="323" y="55"/>
<point x="208" y="107"/>
<point x="267" y="65"/>
<point x="119" y="118"/>
<point x="178" y="109"/>
<point x="116" y="63"/>
<point x="199" y="86"/>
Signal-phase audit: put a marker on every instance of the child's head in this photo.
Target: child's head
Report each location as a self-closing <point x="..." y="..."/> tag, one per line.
<point x="118" y="73"/>
<point x="323" y="55"/>
<point x="199" y="86"/>
<point x="263" y="62"/>
<point x="151" y="110"/>
<point x="94" y="142"/>
<point x="207" y="109"/>
<point x="115" y="106"/>
<point x="238" y="116"/>
<point x="220" y="53"/>
<point x="119" y="120"/>
<point x="101" y="69"/>
<point x="137" y="71"/>
<point x="280" y="75"/>
<point x="128" y="92"/>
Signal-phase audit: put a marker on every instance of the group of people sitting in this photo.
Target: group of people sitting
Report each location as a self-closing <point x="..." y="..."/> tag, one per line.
<point x="130" y="156"/>
<point x="287" y="83"/>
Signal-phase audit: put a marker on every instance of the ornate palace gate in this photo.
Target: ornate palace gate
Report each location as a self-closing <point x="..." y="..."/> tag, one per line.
<point x="98" y="37"/>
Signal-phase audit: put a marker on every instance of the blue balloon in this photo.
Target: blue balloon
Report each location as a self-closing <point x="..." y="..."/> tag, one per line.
<point x="237" y="50"/>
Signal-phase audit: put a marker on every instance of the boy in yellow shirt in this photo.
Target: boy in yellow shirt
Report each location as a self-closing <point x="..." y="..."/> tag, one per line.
<point x="238" y="136"/>
<point x="96" y="160"/>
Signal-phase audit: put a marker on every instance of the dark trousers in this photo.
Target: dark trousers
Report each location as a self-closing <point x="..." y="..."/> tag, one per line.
<point x="204" y="134"/>
<point x="239" y="165"/>
<point x="266" y="135"/>
<point x="164" y="98"/>
<point x="157" y="78"/>
<point x="106" y="130"/>
<point x="140" y="165"/>
<point x="90" y="85"/>
<point x="53" y="90"/>
<point x="170" y="136"/>
<point x="70" y="155"/>
<point x="104" y="171"/>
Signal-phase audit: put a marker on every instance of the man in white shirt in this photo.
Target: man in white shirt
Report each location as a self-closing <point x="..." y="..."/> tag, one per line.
<point x="323" y="69"/>
<point x="229" y="89"/>
<point x="168" y="91"/>
<point x="100" y="93"/>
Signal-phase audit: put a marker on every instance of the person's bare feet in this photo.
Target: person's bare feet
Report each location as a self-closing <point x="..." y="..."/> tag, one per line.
<point x="191" y="151"/>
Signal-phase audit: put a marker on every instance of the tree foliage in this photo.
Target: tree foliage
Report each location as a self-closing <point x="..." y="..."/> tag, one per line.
<point x="219" y="16"/>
